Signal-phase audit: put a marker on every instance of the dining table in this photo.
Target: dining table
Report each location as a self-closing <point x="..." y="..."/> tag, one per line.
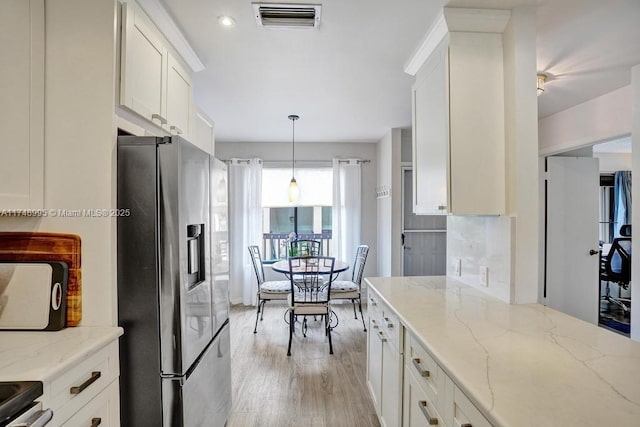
<point x="282" y="266"/>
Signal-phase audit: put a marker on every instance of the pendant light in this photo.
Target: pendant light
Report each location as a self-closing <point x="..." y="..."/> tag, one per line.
<point x="294" y="191"/>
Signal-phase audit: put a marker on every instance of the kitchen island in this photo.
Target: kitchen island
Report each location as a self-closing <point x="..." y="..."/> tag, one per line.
<point x="518" y="365"/>
<point x="78" y="367"/>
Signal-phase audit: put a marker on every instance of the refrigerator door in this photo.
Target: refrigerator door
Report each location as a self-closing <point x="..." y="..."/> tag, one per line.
<point x="220" y="241"/>
<point x="186" y="320"/>
<point x="204" y="398"/>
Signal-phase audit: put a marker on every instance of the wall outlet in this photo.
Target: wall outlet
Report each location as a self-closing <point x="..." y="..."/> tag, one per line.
<point x="457" y="266"/>
<point x="484" y="275"/>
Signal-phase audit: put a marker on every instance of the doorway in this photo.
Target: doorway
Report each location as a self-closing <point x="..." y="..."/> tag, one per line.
<point x="580" y="226"/>
<point x="424" y="237"/>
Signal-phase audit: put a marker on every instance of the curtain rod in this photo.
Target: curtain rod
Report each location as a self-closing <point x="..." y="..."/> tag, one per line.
<point x="359" y="161"/>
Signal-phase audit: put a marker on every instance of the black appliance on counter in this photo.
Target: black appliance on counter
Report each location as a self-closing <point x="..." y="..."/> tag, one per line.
<point x="173" y="302"/>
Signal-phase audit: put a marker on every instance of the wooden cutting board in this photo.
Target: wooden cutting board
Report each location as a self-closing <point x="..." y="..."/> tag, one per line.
<point x="37" y="246"/>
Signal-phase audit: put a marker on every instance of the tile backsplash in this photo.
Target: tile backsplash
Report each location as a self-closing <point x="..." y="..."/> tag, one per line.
<point x="478" y="242"/>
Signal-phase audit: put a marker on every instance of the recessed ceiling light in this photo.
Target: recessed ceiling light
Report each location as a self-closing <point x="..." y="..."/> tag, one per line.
<point x="226" y="21"/>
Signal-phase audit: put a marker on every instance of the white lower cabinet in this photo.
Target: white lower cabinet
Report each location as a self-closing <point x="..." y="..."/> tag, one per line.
<point x="430" y="395"/>
<point x="408" y="386"/>
<point x="102" y="410"/>
<point x="384" y="363"/>
<point x="86" y="394"/>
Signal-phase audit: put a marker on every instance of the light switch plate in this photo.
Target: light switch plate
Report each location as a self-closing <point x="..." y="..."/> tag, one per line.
<point x="484" y="275"/>
<point x="457" y="266"/>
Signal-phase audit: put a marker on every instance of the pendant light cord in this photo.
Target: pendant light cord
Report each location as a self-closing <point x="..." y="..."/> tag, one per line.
<point x="293" y="150"/>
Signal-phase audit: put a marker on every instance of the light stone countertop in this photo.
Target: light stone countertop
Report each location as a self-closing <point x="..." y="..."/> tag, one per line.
<point x="521" y="365"/>
<point x="39" y="356"/>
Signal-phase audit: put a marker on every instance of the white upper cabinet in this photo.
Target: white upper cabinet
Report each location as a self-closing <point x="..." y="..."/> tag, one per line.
<point x="203" y="131"/>
<point x="459" y="141"/>
<point x="22" y="104"/>
<point x="431" y="135"/>
<point x="144" y="65"/>
<point x="477" y="124"/>
<point x="153" y="81"/>
<point x="178" y="97"/>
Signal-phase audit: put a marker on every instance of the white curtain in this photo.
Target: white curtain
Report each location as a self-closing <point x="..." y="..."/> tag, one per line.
<point x="245" y="213"/>
<point x="347" y="201"/>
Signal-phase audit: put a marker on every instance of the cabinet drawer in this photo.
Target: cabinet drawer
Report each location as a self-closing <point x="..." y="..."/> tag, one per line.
<point x="430" y="377"/>
<point x="419" y="409"/>
<point x="80" y="384"/>
<point x="391" y="327"/>
<point x="373" y="307"/>
<point x="102" y="411"/>
<point x="386" y="321"/>
<point x="465" y="413"/>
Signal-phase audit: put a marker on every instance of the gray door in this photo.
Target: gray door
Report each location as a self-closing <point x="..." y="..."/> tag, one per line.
<point x="572" y="236"/>
<point x="425" y="237"/>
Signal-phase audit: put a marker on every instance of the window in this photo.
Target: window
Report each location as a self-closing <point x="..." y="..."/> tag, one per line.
<point x="309" y="219"/>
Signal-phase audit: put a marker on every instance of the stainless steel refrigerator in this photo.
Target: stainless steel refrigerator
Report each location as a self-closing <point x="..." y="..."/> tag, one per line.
<point x="173" y="266"/>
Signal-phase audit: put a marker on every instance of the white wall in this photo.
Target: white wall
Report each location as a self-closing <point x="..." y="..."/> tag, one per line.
<point x="600" y="119"/>
<point x="80" y="138"/>
<point x="270" y="151"/>
<point x="611" y="162"/>
<point x="389" y="211"/>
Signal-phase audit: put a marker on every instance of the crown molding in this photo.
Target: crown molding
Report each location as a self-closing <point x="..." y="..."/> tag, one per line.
<point x="159" y="15"/>
<point x="452" y="20"/>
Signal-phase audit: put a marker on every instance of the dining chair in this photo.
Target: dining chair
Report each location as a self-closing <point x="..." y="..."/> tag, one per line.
<point x="352" y="289"/>
<point x="267" y="290"/>
<point x="303" y="248"/>
<point x="313" y="299"/>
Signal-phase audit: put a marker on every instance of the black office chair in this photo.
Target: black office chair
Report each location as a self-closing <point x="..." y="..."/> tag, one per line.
<point x="616" y="267"/>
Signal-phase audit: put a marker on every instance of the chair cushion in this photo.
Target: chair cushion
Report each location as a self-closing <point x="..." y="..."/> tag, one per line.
<point x="309" y="307"/>
<point x="276" y="287"/>
<point x="344" y="286"/>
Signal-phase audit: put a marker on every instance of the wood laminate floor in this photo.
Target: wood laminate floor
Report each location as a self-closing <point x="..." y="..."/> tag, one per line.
<point x="309" y="388"/>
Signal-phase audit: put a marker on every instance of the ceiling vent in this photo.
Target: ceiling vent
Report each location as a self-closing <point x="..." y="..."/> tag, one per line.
<point x="281" y="15"/>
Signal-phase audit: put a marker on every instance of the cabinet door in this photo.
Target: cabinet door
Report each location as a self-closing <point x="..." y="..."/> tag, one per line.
<point x="144" y="56"/>
<point x="22" y="104"/>
<point x="178" y="97"/>
<point x="431" y="135"/>
<point x="374" y="363"/>
<point x="477" y="124"/>
<point x="391" y="403"/>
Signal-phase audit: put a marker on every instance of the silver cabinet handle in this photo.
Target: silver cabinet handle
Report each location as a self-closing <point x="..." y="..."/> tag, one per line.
<point x="442" y="207"/>
<point x="388" y="323"/>
<point x="422" y="404"/>
<point x="95" y="422"/>
<point x="373" y="302"/>
<point x="80" y="388"/>
<point x="374" y="323"/>
<point x="158" y="117"/>
<point x="381" y="336"/>
<point x="423" y="372"/>
<point x="38" y="419"/>
<point x="175" y="129"/>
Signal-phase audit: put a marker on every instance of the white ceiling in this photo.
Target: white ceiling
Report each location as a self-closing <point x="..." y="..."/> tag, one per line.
<point x="346" y="80"/>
